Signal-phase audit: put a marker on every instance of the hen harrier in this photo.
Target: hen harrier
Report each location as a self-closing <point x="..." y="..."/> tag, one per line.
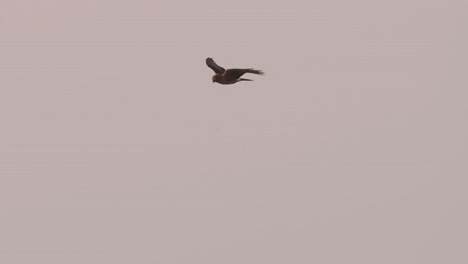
<point x="229" y="76"/>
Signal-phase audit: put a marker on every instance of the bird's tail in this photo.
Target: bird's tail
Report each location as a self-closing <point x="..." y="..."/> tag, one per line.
<point x="243" y="79"/>
<point x="259" y="72"/>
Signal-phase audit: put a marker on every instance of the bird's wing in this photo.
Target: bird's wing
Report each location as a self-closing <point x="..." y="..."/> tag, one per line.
<point x="215" y="67"/>
<point x="234" y="74"/>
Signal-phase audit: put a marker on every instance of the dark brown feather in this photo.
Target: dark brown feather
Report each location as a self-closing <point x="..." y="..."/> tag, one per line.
<point x="234" y="73"/>
<point x="215" y="67"/>
<point x="237" y="73"/>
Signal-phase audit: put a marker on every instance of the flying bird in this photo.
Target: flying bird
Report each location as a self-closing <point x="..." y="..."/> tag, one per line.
<point x="229" y="76"/>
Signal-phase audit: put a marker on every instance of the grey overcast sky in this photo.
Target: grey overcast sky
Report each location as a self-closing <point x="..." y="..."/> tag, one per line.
<point x="116" y="147"/>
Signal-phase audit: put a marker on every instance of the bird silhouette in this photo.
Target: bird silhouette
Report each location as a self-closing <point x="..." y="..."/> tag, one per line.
<point x="229" y="76"/>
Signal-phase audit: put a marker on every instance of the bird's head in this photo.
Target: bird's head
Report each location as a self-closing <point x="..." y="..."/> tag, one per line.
<point x="216" y="78"/>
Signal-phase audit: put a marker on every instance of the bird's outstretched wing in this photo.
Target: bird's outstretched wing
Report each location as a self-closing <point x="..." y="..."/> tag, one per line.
<point x="215" y="67"/>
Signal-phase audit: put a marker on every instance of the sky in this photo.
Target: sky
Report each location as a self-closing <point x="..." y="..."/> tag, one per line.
<point x="116" y="147"/>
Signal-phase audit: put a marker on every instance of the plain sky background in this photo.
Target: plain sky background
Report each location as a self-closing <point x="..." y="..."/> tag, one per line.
<point x="116" y="147"/>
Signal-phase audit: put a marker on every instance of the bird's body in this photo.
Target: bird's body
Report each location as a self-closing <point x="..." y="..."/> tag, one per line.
<point x="229" y="76"/>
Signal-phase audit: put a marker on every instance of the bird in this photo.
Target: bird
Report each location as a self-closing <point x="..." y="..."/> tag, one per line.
<point x="229" y="76"/>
